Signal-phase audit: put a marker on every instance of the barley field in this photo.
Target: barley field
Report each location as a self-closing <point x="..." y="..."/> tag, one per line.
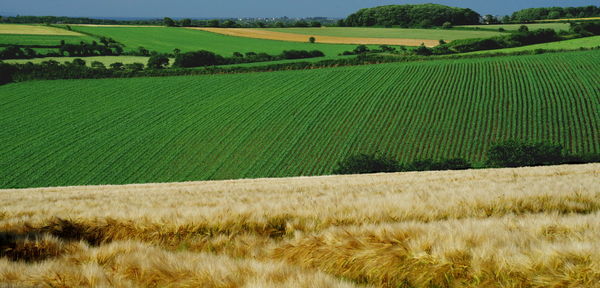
<point x="523" y="227"/>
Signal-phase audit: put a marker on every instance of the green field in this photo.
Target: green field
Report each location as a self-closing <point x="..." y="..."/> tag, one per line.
<point x="165" y="39"/>
<point x="515" y="27"/>
<point x="107" y="60"/>
<point x="42" y="40"/>
<point x="587" y="42"/>
<point x="110" y="131"/>
<point x="424" y="34"/>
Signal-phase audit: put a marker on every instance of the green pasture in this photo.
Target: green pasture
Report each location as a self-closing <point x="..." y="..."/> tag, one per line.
<point x="42" y="40"/>
<point x="165" y="39"/>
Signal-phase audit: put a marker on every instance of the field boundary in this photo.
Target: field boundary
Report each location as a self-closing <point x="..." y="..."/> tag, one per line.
<point x="294" y="37"/>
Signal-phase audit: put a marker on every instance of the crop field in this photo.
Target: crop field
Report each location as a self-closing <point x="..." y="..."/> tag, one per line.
<point x="524" y="227"/>
<point x="299" y="37"/>
<point x="296" y="37"/>
<point x="41" y="40"/>
<point x="587" y="42"/>
<point x="515" y="27"/>
<point x="106" y="60"/>
<point x="38" y="35"/>
<point x="165" y="39"/>
<point x="35" y="30"/>
<point x="291" y="123"/>
<point x="358" y="32"/>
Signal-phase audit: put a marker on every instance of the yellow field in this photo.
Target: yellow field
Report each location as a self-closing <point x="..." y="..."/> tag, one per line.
<point x="35" y="30"/>
<point x="526" y="227"/>
<point x="294" y="37"/>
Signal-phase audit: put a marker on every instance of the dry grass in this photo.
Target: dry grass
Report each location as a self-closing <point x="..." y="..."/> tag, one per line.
<point x="294" y="37"/>
<point x="35" y="30"/>
<point x="527" y="227"/>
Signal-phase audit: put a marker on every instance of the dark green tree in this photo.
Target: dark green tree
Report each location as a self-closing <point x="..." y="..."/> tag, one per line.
<point x="186" y="22"/>
<point x="169" y="22"/>
<point x="158" y="61"/>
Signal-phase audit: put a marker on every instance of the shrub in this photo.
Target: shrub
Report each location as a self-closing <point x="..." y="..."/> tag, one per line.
<point x="360" y="49"/>
<point x="423" y="51"/>
<point x="158" y="61"/>
<point x="97" y="65"/>
<point x="134" y="66"/>
<point x="6" y="72"/>
<point x="197" y="59"/>
<point x="447" y="25"/>
<point x="517" y="154"/>
<point x="312" y="39"/>
<point x="116" y="66"/>
<point x="367" y="163"/>
<point x="299" y="54"/>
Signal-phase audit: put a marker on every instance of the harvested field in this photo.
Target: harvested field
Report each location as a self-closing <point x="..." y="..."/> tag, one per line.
<point x="19" y="29"/>
<point x="295" y="37"/>
<point x="524" y="227"/>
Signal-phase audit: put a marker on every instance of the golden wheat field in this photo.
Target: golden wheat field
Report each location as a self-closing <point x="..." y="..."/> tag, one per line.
<point x="525" y="227"/>
<point x="272" y="35"/>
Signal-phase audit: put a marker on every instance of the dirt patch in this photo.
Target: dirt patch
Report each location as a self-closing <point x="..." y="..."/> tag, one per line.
<point x="271" y="35"/>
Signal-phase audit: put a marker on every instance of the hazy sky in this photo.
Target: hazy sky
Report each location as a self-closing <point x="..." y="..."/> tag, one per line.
<point x="248" y="8"/>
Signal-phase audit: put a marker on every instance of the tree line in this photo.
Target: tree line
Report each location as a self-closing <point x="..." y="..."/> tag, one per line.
<point x="522" y="37"/>
<point x="279" y="22"/>
<point x="551" y="13"/>
<point x="51" y="70"/>
<point x="511" y="153"/>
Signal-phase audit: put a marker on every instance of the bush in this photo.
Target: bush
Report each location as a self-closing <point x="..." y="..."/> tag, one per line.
<point x="518" y="154"/>
<point x="300" y="54"/>
<point x="312" y="39"/>
<point x="134" y="66"/>
<point x="367" y="163"/>
<point x="423" y="51"/>
<point x="158" y="61"/>
<point x="6" y="72"/>
<point x="197" y="59"/>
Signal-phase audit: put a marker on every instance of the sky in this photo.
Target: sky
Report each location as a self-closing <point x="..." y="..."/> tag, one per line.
<point x="248" y="8"/>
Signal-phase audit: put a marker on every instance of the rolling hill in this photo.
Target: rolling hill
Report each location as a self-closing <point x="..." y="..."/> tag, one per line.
<point x="290" y="123"/>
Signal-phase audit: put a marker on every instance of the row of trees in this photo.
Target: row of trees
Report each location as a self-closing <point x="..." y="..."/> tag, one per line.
<point x="550" y="13"/>
<point x="520" y="38"/>
<point x="105" y="48"/>
<point x="206" y="58"/>
<point x="30" y="71"/>
<point x="169" y="22"/>
<point x="187" y="22"/>
<point x="505" y="154"/>
<point x="424" y="15"/>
